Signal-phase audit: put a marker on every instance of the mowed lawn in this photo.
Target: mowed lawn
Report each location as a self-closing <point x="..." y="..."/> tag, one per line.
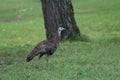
<point x="98" y="58"/>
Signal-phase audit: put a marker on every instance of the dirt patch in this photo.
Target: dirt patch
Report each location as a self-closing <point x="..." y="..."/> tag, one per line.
<point x="84" y="11"/>
<point x="12" y="19"/>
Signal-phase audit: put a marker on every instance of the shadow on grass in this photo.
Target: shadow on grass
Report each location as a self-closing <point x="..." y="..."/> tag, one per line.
<point x="82" y="38"/>
<point x="13" y="55"/>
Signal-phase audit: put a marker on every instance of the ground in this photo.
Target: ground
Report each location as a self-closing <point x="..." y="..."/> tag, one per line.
<point x="22" y="27"/>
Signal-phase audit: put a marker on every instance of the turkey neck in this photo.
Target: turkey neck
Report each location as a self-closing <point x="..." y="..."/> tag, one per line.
<point x="57" y="37"/>
<point x="55" y="40"/>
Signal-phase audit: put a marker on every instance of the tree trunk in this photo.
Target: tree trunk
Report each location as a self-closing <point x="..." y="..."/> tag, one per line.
<point x="59" y="13"/>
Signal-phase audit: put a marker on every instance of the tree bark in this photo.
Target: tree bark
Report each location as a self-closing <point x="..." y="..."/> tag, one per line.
<point x="59" y="13"/>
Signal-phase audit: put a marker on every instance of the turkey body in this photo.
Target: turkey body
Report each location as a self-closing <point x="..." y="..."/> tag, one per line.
<point x="46" y="47"/>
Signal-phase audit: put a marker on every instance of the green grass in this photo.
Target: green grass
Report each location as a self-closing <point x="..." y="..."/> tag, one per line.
<point x="22" y="27"/>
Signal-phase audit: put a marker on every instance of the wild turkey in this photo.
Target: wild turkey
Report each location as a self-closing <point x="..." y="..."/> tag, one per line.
<point x="46" y="47"/>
